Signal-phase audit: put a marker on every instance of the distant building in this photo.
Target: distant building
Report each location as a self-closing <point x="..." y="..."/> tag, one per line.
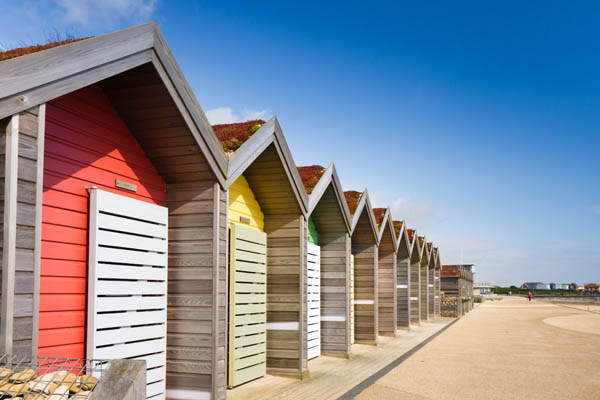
<point x="592" y="288"/>
<point x="535" y="286"/>
<point x="457" y="280"/>
<point x="572" y="286"/>
<point x="560" y="286"/>
<point x="480" y="289"/>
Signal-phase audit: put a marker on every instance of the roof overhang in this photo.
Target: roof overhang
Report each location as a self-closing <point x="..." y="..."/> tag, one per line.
<point x="330" y="177"/>
<point x="36" y="78"/>
<point x="403" y="238"/>
<point x="387" y="222"/>
<point x="364" y="205"/>
<point x="269" y="134"/>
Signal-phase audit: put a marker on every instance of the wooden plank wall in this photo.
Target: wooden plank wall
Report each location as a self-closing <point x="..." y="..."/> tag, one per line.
<point x="415" y="289"/>
<point x="403" y="286"/>
<point x="286" y="230"/>
<point x="335" y="245"/>
<point x="424" y="295"/>
<point x="4" y="125"/>
<point x="197" y="305"/>
<point x="387" y="284"/>
<point x="366" y="285"/>
<point x="431" y="289"/>
<point x="24" y="330"/>
<point x="437" y="285"/>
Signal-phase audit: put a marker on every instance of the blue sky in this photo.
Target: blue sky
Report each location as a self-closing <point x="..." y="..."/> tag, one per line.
<point x="477" y="123"/>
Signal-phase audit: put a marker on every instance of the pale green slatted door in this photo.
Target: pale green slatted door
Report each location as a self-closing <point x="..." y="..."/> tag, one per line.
<point x="247" y="359"/>
<point x="351" y="298"/>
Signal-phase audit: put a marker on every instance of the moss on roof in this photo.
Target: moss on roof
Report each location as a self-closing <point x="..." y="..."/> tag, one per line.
<point x="352" y="199"/>
<point x="233" y="136"/>
<point x="397" y="227"/>
<point x="21" y="51"/>
<point x="379" y="214"/>
<point x="411" y="235"/>
<point x="310" y="176"/>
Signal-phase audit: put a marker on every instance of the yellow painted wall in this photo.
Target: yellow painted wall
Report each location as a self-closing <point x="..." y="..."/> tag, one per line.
<point x="242" y="203"/>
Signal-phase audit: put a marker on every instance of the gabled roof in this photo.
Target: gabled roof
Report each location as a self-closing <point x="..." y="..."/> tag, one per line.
<point x="361" y="202"/>
<point x="438" y="258"/>
<point x="326" y="177"/>
<point x="22" y="51"/>
<point x="425" y="255"/>
<point x="384" y="221"/>
<point x="269" y="134"/>
<point x="402" y="235"/>
<point x="32" y="79"/>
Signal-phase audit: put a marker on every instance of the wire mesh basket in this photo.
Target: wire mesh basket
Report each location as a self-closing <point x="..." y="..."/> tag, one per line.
<point x="49" y="378"/>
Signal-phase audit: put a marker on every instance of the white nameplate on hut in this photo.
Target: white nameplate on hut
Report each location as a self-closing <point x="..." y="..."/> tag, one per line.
<point x="127" y="284"/>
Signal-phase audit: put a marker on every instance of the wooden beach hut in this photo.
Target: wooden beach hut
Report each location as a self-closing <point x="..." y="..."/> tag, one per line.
<point x="415" y="277"/>
<point x="424" y="276"/>
<point x="264" y="317"/>
<point x="387" y="272"/>
<point x="437" y="283"/>
<point x="403" y="265"/>
<point x="111" y="180"/>
<point x="365" y="273"/>
<point x="329" y="246"/>
<point x="431" y="281"/>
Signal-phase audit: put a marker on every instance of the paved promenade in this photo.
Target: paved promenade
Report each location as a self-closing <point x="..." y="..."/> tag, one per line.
<point x="332" y="377"/>
<point x="508" y="349"/>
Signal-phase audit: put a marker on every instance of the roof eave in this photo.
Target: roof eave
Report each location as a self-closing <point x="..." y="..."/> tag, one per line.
<point x="330" y="177"/>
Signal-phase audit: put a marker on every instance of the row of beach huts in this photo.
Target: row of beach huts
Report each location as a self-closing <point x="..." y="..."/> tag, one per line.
<point x="132" y="228"/>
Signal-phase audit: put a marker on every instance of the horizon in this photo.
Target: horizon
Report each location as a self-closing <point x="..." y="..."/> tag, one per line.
<point x="487" y="119"/>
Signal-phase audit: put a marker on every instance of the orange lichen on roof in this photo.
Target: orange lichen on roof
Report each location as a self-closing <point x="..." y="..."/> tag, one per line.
<point x="397" y="227"/>
<point x="411" y="235"/>
<point x="233" y="136"/>
<point x="352" y="199"/>
<point x="21" y="51"/>
<point x="379" y="214"/>
<point x="421" y="239"/>
<point x="310" y="176"/>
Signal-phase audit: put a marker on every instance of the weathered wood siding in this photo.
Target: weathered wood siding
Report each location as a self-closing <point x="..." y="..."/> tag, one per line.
<point x="431" y="289"/>
<point x="424" y="294"/>
<point x="333" y="237"/>
<point x="243" y="207"/>
<point x="4" y="125"/>
<point x="387" y="284"/>
<point x="364" y="248"/>
<point x="403" y="285"/>
<point x="415" y="289"/>
<point x="437" y="285"/>
<point x="287" y="233"/>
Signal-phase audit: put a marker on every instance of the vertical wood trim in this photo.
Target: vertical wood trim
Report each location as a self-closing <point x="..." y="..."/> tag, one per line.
<point x="348" y="302"/>
<point x="215" y="289"/>
<point x="303" y="339"/>
<point x="10" y="234"/>
<point x="92" y="269"/>
<point x="37" y="250"/>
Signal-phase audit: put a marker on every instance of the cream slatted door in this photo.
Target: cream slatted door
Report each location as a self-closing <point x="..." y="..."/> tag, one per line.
<point x="351" y="298"/>
<point x="313" y="331"/>
<point x="247" y="359"/>
<point x="127" y="284"/>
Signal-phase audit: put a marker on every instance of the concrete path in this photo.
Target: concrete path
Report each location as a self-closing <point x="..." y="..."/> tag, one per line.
<point x="508" y="349"/>
<point x="331" y="377"/>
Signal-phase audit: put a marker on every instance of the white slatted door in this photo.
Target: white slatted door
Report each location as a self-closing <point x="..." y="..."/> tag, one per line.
<point x="127" y="284"/>
<point x="351" y="298"/>
<point x="247" y="358"/>
<point x="313" y="331"/>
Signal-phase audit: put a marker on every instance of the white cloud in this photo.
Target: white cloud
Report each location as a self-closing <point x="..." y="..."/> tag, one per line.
<point x="418" y="212"/>
<point x="108" y="12"/>
<point x="221" y="115"/>
<point x="226" y="115"/>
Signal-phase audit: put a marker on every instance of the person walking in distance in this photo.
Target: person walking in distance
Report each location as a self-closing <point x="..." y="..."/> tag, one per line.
<point x="529" y="296"/>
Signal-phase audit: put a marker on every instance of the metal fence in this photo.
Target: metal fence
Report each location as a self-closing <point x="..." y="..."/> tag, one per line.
<point x="34" y="378"/>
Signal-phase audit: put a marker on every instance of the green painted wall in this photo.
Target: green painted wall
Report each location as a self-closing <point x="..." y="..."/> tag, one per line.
<point x="312" y="232"/>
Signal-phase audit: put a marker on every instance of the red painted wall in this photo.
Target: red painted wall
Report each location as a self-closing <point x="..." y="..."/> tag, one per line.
<point x="86" y="144"/>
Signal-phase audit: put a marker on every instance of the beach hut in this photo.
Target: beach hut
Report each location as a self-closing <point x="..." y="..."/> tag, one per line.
<point x="415" y="278"/>
<point x="387" y="272"/>
<point x="437" y="283"/>
<point x="328" y="276"/>
<point x="110" y="175"/>
<point x="267" y="227"/>
<point x="403" y="264"/>
<point x="431" y="281"/>
<point x="365" y="273"/>
<point x="424" y="283"/>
